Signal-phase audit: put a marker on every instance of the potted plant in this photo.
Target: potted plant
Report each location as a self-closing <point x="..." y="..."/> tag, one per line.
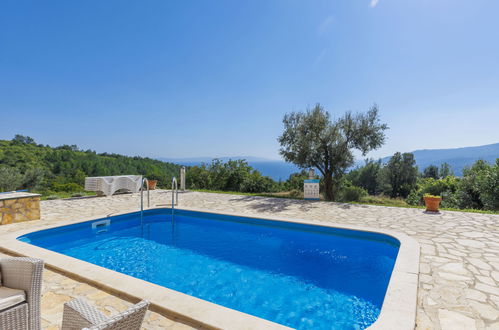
<point x="152" y="184"/>
<point x="431" y="202"/>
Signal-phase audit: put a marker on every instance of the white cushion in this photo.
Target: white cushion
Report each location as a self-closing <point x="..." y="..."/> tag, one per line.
<point x="10" y="297"/>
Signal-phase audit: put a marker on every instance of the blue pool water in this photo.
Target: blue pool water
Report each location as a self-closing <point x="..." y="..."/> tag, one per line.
<point x="301" y="276"/>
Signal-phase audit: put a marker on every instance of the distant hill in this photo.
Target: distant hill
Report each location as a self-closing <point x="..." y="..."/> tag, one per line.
<point x="457" y="158"/>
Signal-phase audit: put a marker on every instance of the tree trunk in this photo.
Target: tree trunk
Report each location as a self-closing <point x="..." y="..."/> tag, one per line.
<point x="328" y="187"/>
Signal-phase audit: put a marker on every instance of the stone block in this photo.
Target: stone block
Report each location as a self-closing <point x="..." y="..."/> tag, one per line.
<point x="7" y="218"/>
<point x="9" y="202"/>
<point x="19" y="216"/>
<point x="34" y="214"/>
<point x="23" y="207"/>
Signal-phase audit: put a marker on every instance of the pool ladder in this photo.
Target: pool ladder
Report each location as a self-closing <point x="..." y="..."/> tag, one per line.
<point x="142" y="200"/>
<point x="174" y="197"/>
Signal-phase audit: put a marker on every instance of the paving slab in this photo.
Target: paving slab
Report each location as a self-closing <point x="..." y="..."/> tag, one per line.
<point x="459" y="263"/>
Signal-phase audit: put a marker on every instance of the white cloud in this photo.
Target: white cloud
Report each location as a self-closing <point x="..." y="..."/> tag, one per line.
<point x="373" y="3"/>
<point x="320" y="57"/>
<point x="324" y="26"/>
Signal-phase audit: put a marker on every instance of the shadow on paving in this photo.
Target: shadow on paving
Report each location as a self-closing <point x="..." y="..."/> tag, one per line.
<point x="276" y="205"/>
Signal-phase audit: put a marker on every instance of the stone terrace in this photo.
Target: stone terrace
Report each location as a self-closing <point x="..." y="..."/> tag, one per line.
<point x="459" y="266"/>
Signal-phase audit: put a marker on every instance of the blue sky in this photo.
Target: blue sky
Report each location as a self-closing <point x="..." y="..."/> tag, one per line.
<point x="214" y="78"/>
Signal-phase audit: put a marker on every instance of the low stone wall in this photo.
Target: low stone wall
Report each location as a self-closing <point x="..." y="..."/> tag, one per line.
<point x="19" y="207"/>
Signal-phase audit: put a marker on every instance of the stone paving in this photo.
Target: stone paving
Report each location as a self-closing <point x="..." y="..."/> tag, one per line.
<point x="58" y="289"/>
<point x="459" y="265"/>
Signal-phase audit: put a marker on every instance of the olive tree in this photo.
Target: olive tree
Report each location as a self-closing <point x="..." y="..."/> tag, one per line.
<point x="10" y="178"/>
<point x="313" y="139"/>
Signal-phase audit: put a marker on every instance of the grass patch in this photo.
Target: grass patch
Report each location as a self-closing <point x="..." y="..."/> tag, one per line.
<point x="384" y="200"/>
<point x="399" y="202"/>
<point x="469" y="210"/>
<point x="51" y="195"/>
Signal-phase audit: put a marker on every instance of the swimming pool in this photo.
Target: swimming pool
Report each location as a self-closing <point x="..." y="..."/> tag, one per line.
<point x="298" y="275"/>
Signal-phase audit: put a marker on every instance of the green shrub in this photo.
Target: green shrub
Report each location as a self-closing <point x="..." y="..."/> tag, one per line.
<point x="66" y="187"/>
<point x="488" y="184"/>
<point x="450" y="201"/>
<point x="415" y="197"/>
<point x="446" y="188"/>
<point x="479" y="187"/>
<point x="51" y="197"/>
<point x="10" y="178"/>
<point x="295" y="181"/>
<point x="33" y="178"/>
<point x="367" y="176"/>
<point x="258" y="183"/>
<point x="352" y="194"/>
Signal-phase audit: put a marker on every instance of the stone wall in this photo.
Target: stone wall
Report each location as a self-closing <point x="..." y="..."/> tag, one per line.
<point x="19" y="209"/>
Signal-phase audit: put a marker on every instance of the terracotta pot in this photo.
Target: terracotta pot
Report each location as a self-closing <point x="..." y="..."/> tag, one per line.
<point x="152" y="184"/>
<point x="432" y="203"/>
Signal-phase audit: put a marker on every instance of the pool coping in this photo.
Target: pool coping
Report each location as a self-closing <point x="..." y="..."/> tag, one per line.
<point x="398" y="310"/>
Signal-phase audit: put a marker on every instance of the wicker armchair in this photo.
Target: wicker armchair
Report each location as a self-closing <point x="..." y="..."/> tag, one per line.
<point x="20" y="293"/>
<point x="80" y="315"/>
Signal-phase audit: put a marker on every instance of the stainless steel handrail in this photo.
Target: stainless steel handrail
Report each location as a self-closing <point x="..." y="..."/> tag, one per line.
<point x="142" y="199"/>
<point x="142" y="194"/>
<point x="174" y="192"/>
<point x="174" y="200"/>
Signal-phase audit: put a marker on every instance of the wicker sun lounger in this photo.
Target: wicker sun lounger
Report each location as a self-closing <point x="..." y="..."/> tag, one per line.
<point x="108" y="185"/>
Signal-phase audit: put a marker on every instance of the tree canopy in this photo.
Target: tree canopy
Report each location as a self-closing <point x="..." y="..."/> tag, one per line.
<point x="431" y="172"/>
<point x="233" y="175"/>
<point x="313" y="139"/>
<point x="445" y="170"/>
<point x="367" y="176"/>
<point x="399" y="175"/>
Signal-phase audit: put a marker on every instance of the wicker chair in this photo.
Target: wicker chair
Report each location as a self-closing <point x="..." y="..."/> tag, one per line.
<point x="20" y="293"/>
<point x="80" y="315"/>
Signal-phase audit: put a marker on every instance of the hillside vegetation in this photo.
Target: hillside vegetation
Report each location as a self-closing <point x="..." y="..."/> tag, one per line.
<point x="24" y="164"/>
<point x="61" y="172"/>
